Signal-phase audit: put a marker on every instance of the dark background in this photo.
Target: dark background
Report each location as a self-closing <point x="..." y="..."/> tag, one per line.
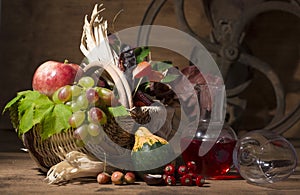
<point x="34" y="31"/>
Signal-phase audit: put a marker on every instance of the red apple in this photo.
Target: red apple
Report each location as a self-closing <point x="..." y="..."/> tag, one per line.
<point x="52" y="75"/>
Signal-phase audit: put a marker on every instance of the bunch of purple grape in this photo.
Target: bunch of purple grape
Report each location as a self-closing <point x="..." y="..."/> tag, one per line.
<point x="87" y="102"/>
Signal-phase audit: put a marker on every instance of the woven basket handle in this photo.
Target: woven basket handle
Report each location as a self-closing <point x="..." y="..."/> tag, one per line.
<point x="118" y="78"/>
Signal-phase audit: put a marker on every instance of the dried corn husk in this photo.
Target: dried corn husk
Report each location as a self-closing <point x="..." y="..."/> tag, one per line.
<point x="75" y="165"/>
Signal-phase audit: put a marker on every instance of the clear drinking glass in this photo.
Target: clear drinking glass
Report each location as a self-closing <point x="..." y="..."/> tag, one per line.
<point x="261" y="156"/>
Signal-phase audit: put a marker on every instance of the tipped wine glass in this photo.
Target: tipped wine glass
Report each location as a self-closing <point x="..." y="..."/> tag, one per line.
<point x="261" y="156"/>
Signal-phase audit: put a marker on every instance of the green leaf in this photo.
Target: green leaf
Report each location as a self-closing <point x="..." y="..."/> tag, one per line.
<point x="161" y="66"/>
<point x="118" y="111"/>
<point x="35" y="108"/>
<point x="56" y="120"/>
<point x="19" y="96"/>
<point x="169" y="78"/>
<point x="27" y="101"/>
<point x="40" y="113"/>
<point x="141" y="53"/>
<point x="32" y="109"/>
<point x="43" y="105"/>
<point x="26" y="120"/>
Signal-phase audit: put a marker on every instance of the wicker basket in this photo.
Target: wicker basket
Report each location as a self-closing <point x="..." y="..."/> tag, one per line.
<point x="47" y="153"/>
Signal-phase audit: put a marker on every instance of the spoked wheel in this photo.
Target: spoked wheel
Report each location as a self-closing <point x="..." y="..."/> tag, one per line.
<point x="236" y="62"/>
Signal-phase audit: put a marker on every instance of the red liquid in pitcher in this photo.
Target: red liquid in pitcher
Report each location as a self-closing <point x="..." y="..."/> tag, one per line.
<point x="216" y="162"/>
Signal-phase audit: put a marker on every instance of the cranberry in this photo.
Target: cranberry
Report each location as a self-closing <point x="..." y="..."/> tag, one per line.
<point x="191" y="165"/>
<point x="169" y="169"/>
<point x="182" y="170"/>
<point x="170" y="180"/>
<point x="186" y="180"/>
<point x="200" y="181"/>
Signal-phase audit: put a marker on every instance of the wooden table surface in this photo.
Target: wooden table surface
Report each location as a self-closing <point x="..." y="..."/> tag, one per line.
<point x="19" y="175"/>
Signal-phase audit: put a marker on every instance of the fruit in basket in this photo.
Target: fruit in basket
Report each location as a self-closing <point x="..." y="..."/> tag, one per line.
<point x="82" y="102"/>
<point x="86" y="82"/>
<point x="81" y="132"/>
<point x="106" y="95"/>
<point x="76" y="90"/>
<point x="92" y="95"/>
<point x="94" y="129"/>
<point x="65" y="93"/>
<point x="96" y="115"/>
<point x="77" y="119"/>
<point x="150" y="152"/>
<point x="52" y="75"/>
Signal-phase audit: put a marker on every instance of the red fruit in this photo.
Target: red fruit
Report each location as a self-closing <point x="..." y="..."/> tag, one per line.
<point x="65" y="93"/>
<point x="194" y="176"/>
<point x="170" y="180"/>
<point x="52" y="75"/>
<point x="169" y="169"/>
<point x="200" y="181"/>
<point x="96" y="115"/>
<point x="182" y="170"/>
<point x="106" y="96"/>
<point x="117" y="178"/>
<point x="186" y="180"/>
<point x="191" y="165"/>
<point x="103" y="178"/>
<point x="129" y="178"/>
<point x="92" y="95"/>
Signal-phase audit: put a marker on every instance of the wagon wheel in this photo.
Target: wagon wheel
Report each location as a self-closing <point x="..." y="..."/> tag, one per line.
<point x="230" y="48"/>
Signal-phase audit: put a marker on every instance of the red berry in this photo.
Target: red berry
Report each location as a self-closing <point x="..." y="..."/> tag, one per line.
<point x="186" y="180"/>
<point x="200" y="181"/>
<point x="92" y="95"/>
<point x="182" y="170"/>
<point x="193" y="175"/>
<point x="191" y="165"/>
<point x="169" y="169"/>
<point x="170" y="180"/>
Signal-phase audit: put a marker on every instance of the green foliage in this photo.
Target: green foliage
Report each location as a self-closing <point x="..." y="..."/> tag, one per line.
<point x="118" y="111"/>
<point x="35" y="108"/>
<point x="141" y="53"/>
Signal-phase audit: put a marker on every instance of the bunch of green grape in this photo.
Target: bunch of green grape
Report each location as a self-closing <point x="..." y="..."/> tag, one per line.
<point x="87" y="102"/>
